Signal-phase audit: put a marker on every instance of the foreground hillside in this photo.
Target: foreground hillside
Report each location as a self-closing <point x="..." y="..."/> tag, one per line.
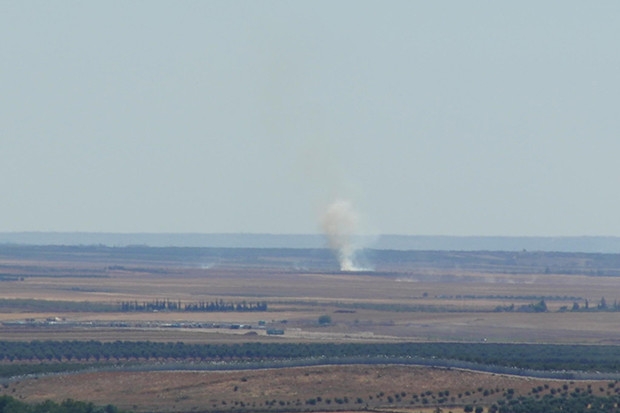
<point x="301" y="389"/>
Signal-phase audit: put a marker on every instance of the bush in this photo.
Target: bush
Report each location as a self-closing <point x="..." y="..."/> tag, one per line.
<point x="325" y="319"/>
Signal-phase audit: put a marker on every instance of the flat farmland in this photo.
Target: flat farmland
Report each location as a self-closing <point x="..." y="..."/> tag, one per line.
<point x="83" y="294"/>
<point x="401" y="300"/>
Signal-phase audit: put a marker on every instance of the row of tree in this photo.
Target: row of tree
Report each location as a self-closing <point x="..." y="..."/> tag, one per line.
<point x="202" y="306"/>
<point x="541" y="307"/>
<point x="9" y="404"/>
<point x="523" y="356"/>
<point x="600" y="306"/>
<point x="575" y="402"/>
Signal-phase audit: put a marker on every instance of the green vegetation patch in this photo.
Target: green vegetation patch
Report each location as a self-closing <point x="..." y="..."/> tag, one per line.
<point x="540" y="357"/>
<point x="11" y="405"/>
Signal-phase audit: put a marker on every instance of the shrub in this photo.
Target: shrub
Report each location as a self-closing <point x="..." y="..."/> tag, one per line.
<point x="325" y="320"/>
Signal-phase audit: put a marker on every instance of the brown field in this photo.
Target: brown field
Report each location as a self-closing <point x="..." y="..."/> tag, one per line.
<point x="300" y="298"/>
<point x="402" y="305"/>
<point x="200" y="391"/>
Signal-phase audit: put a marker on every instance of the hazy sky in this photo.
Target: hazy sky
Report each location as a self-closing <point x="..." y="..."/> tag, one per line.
<point x="430" y="117"/>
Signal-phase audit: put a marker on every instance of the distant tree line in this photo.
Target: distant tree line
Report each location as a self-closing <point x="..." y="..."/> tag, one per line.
<point x="541" y="307"/>
<point x="600" y="306"/>
<point x="200" y="306"/>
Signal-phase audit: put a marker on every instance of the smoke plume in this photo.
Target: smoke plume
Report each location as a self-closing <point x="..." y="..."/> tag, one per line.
<point x="340" y="223"/>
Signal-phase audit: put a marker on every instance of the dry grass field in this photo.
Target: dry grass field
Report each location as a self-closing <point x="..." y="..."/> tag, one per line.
<point x="200" y="391"/>
<point x="402" y="304"/>
<point x="361" y="306"/>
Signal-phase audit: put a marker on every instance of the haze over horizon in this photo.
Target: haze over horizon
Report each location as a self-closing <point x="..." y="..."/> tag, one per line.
<point x="598" y="245"/>
<point x="435" y="118"/>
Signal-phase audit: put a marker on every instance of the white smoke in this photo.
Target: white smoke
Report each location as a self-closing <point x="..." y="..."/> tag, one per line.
<point x="340" y="224"/>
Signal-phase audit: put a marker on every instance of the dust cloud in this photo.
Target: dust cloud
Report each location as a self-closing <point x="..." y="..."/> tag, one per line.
<point x="340" y="224"/>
